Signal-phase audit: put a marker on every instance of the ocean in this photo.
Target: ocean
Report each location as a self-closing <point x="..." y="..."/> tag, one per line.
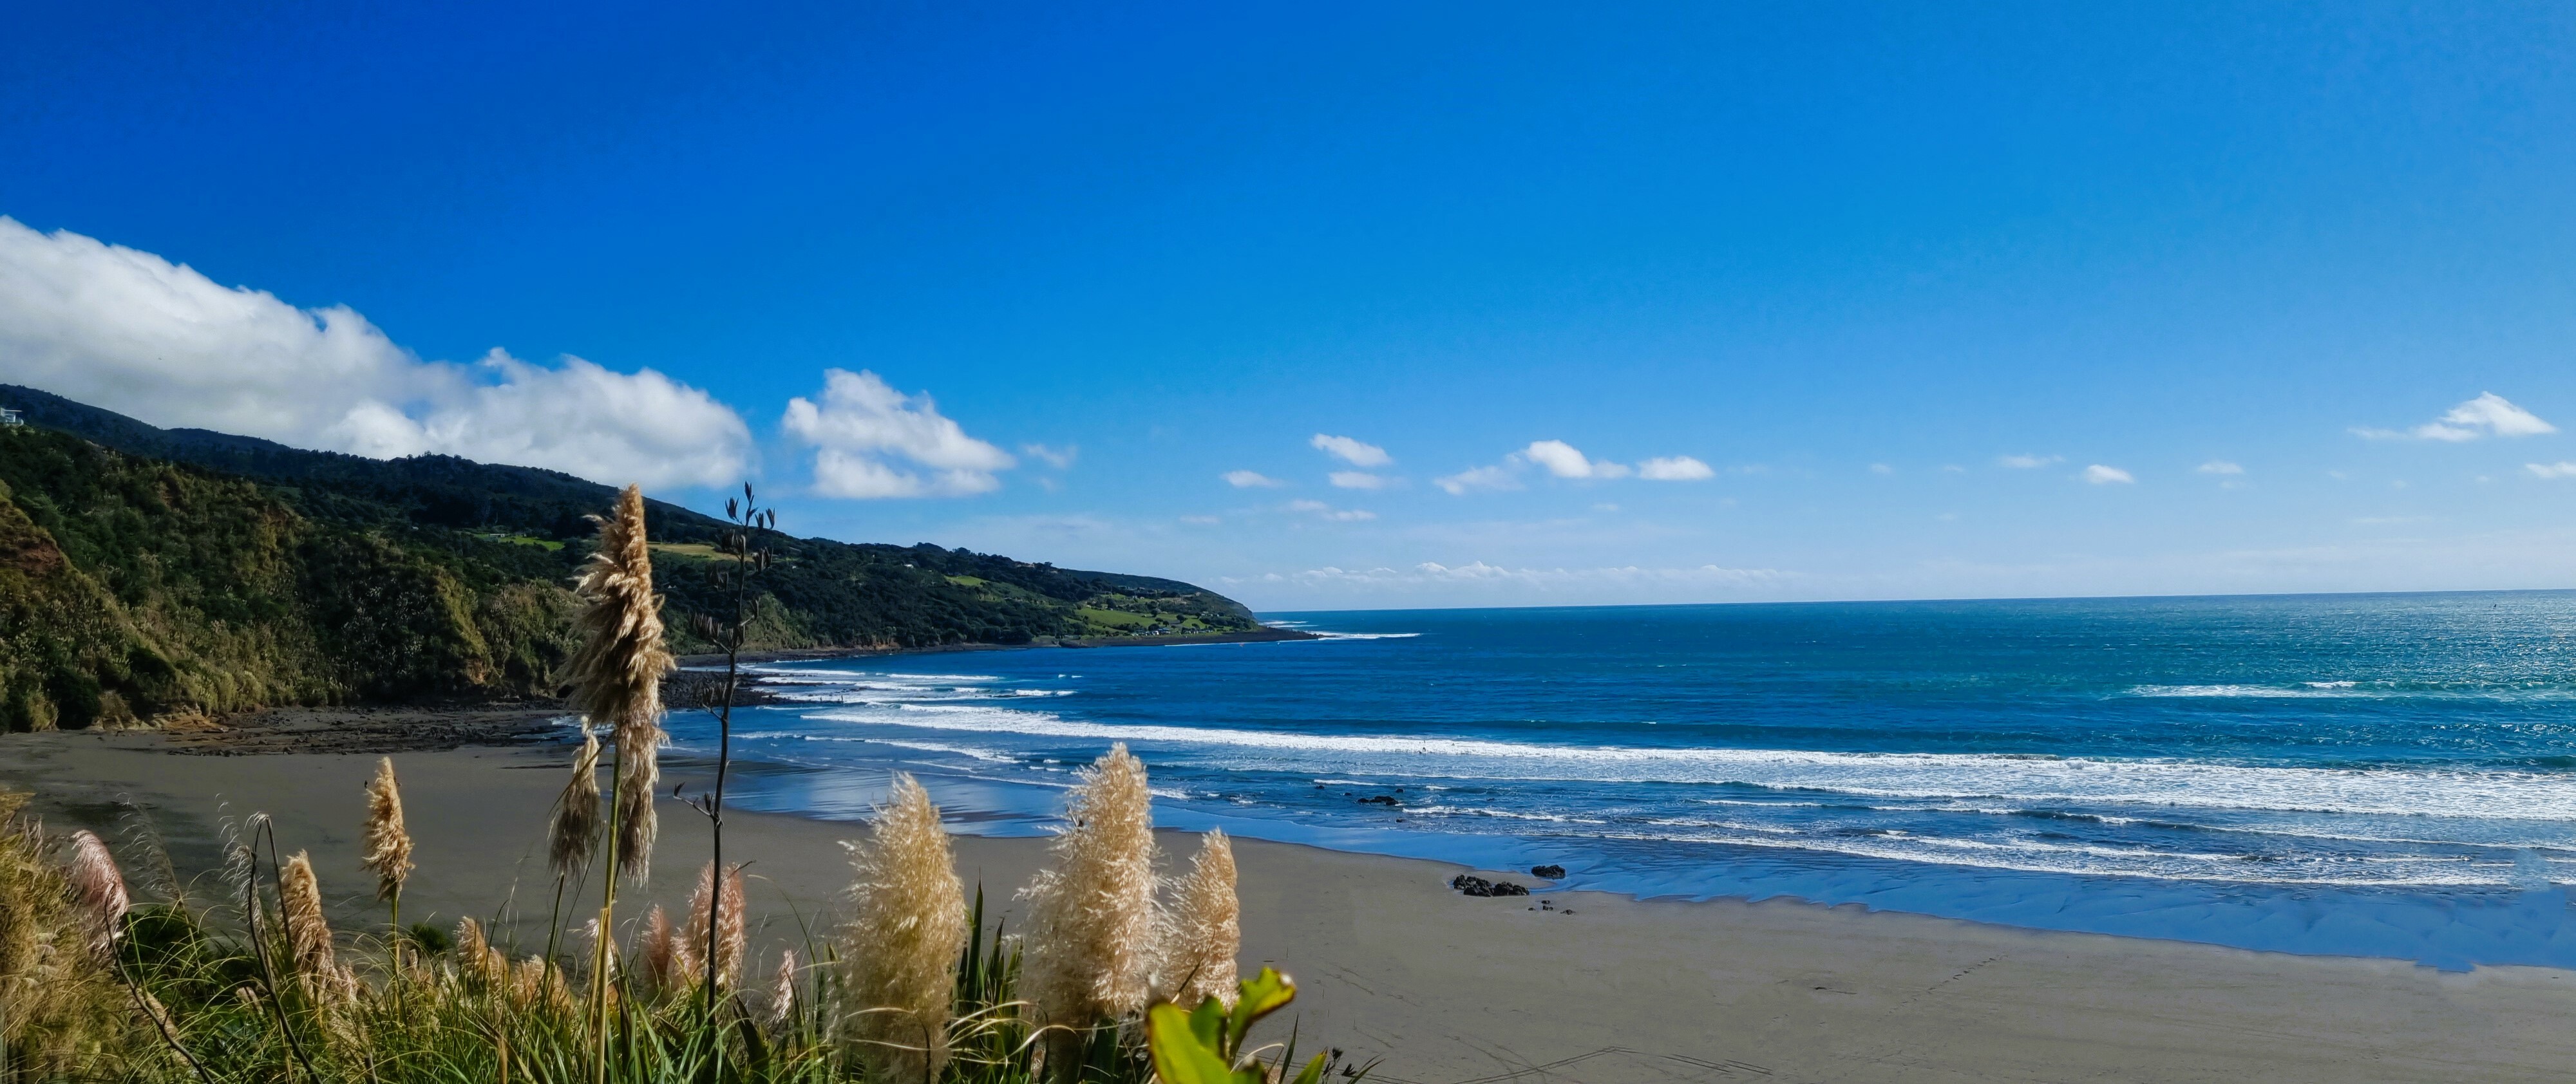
<point x="2379" y="775"/>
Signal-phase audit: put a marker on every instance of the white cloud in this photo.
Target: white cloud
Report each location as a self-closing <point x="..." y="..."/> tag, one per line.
<point x="1562" y="460"/>
<point x="2488" y="414"/>
<point x="1881" y="469"/>
<point x="2028" y="462"/>
<point x="1360" y="479"/>
<point x="863" y="423"/>
<point x="2219" y="466"/>
<point x="1354" y="452"/>
<point x="135" y="333"/>
<point x="2100" y="475"/>
<point x="1203" y="521"/>
<point x="1059" y="458"/>
<point x="1679" y="468"/>
<point x="1326" y="511"/>
<point x="1249" y="479"/>
<point x="2560" y="469"/>
<point x="1478" y="480"/>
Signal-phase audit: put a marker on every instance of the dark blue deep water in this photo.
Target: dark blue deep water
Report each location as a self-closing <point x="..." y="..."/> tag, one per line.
<point x="2389" y="775"/>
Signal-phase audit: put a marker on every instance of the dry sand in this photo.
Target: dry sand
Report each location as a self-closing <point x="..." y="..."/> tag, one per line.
<point x="1451" y="990"/>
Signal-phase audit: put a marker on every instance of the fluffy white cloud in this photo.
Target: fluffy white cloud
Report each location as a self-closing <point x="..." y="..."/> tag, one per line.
<point x="1360" y="479"/>
<point x="2219" y="466"/>
<point x="2487" y="414"/>
<point x="1354" y="452"/>
<point x="1678" y="468"/>
<point x="2100" y="475"/>
<point x="2028" y="462"/>
<point x="1562" y="460"/>
<point x="1326" y="511"/>
<point x="1478" y="480"/>
<point x="863" y="423"/>
<point x="2560" y="469"/>
<point x="1248" y="479"/>
<point x="134" y="333"/>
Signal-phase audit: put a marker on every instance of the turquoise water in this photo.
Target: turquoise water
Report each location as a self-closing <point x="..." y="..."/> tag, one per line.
<point x="2389" y="775"/>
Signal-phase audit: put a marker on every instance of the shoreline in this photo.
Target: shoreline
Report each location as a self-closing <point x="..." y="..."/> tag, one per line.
<point x="1263" y="635"/>
<point x="1448" y="988"/>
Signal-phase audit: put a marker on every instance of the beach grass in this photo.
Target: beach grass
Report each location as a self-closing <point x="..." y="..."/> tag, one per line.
<point x="241" y="983"/>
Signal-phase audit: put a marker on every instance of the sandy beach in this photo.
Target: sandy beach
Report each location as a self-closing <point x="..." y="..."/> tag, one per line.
<point x="1447" y="989"/>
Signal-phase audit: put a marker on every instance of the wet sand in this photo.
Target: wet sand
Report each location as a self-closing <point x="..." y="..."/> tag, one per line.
<point x="1445" y="988"/>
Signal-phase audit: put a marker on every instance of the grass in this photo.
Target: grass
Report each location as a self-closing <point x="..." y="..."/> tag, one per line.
<point x="204" y="990"/>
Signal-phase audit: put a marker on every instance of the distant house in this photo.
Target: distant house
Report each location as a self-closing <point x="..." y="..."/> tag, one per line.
<point x="9" y="419"/>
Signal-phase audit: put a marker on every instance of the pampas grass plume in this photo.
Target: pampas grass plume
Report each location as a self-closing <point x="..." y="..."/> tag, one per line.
<point x="99" y="889"/>
<point x="782" y="991"/>
<point x="730" y="934"/>
<point x="1092" y="916"/>
<point x="617" y="673"/>
<point x="907" y="928"/>
<point x="1203" y="931"/>
<point x="308" y="935"/>
<point x="388" y="846"/>
<point x="575" y="832"/>
<point x="669" y="964"/>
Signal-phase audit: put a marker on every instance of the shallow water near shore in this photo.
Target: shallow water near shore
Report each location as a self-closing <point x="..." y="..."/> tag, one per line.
<point x="2389" y="775"/>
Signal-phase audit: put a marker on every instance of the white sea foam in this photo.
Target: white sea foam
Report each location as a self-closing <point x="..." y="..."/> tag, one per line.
<point x="1951" y="777"/>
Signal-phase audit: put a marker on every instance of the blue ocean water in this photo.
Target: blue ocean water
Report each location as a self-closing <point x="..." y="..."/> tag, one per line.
<point x="2387" y="775"/>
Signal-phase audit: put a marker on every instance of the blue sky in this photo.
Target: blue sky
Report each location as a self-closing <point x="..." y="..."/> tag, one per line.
<point x="1852" y="260"/>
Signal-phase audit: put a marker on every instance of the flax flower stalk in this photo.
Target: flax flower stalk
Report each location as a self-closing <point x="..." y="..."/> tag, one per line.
<point x="1092" y="916"/>
<point x="1203" y="930"/>
<point x="99" y="889"/>
<point x="906" y="930"/>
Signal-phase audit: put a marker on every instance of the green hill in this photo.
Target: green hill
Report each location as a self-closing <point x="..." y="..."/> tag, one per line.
<point x="147" y="571"/>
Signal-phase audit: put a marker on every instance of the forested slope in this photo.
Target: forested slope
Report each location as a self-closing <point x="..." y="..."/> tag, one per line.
<point x="146" y="571"/>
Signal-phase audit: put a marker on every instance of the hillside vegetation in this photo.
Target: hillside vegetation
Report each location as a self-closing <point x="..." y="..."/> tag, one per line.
<point x="145" y="572"/>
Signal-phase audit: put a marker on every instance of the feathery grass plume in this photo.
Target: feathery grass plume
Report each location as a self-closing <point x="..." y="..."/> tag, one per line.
<point x="666" y="959"/>
<point x="617" y="673"/>
<point x="731" y="935"/>
<point x="59" y="1004"/>
<point x="1203" y="929"/>
<point x="100" y="890"/>
<point x="388" y="846"/>
<point x="900" y="948"/>
<point x="1092" y="917"/>
<point x="308" y="935"/>
<point x="575" y="832"/>
<point x="476" y="959"/>
<point x="781" y="1003"/>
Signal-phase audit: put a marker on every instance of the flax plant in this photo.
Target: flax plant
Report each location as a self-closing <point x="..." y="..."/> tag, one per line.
<point x="748" y="520"/>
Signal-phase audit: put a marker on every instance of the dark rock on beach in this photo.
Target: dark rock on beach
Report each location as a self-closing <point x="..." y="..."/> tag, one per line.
<point x="1472" y="885"/>
<point x="1551" y="873"/>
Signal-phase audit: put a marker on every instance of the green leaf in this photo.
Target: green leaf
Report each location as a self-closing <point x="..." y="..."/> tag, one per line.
<point x="1179" y="1056"/>
<point x="1257" y="997"/>
<point x="1313" y="1072"/>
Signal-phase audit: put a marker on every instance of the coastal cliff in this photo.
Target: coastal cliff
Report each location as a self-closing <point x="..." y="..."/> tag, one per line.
<point x="147" y="572"/>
